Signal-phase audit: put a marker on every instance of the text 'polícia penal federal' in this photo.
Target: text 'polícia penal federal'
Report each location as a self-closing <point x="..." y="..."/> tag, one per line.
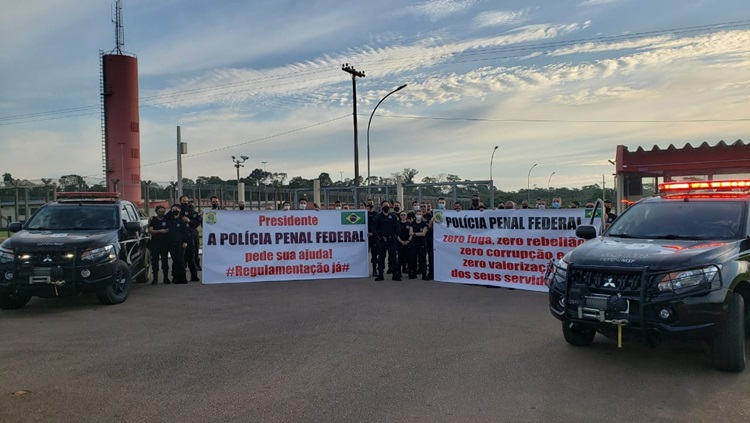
<point x="303" y="237"/>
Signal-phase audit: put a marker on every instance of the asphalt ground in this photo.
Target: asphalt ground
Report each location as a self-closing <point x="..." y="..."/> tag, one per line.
<point x="340" y="351"/>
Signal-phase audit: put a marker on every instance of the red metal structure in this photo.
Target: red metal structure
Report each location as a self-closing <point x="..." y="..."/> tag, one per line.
<point x="704" y="161"/>
<point x="122" y="131"/>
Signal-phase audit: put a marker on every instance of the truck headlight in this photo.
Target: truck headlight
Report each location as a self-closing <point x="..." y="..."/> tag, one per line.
<point x="6" y="255"/>
<point x="94" y="254"/>
<point x="557" y="272"/>
<point x="683" y="280"/>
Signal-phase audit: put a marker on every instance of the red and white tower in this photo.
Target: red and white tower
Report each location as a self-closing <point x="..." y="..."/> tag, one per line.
<point x="120" y="118"/>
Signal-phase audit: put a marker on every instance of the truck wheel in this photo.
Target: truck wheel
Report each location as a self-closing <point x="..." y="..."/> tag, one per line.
<point x="578" y="335"/>
<point x="13" y="301"/>
<point x="118" y="290"/>
<point x="146" y="274"/>
<point x="729" y="346"/>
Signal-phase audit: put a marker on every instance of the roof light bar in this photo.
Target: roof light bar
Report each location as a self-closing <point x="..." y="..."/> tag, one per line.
<point x="686" y="186"/>
<point x="85" y="195"/>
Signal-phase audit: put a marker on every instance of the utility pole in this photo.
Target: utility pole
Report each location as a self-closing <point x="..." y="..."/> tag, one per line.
<point x="354" y="73"/>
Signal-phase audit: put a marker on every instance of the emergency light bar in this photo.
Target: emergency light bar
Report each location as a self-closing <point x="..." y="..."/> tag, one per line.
<point x="687" y="186"/>
<point x="88" y="195"/>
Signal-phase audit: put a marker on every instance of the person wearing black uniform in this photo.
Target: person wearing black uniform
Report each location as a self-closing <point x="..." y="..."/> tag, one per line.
<point x="192" y="219"/>
<point x="474" y="202"/>
<point x="215" y="203"/>
<point x="179" y="236"/>
<point x="417" y="253"/>
<point x="386" y="227"/>
<point x="371" y="239"/>
<point x="404" y="237"/>
<point x="429" y="244"/>
<point x="611" y="216"/>
<point x="158" y="228"/>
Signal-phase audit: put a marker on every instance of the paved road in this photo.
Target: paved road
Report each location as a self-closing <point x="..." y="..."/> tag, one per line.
<point x="340" y="351"/>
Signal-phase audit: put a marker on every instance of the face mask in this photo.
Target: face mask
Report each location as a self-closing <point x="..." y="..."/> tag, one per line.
<point x="555" y="205"/>
<point x="474" y="202"/>
<point x="397" y="209"/>
<point x="214" y="206"/>
<point x="416" y="208"/>
<point x="242" y="207"/>
<point x="286" y="207"/>
<point x="419" y="217"/>
<point x="160" y="213"/>
<point x="176" y="212"/>
<point x="184" y="204"/>
<point x="541" y="206"/>
<point x="386" y="209"/>
<point x="303" y="206"/>
<point x="525" y="206"/>
<point x="338" y="207"/>
<point x="441" y="206"/>
<point x="608" y="209"/>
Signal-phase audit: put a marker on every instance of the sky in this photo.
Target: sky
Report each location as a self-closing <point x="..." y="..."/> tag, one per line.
<point x="556" y="83"/>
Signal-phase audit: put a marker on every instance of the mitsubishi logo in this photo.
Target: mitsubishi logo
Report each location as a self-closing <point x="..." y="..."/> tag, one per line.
<point x="610" y="283"/>
<point x="47" y="259"/>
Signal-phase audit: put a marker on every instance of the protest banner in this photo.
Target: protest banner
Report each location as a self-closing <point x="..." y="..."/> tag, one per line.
<point x="241" y="246"/>
<point x="507" y="248"/>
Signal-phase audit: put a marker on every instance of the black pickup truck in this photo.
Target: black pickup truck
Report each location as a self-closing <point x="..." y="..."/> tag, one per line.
<point x="675" y="265"/>
<point x="82" y="242"/>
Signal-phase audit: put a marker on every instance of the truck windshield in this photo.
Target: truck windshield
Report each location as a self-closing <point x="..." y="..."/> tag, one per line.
<point x="678" y="219"/>
<point x="74" y="217"/>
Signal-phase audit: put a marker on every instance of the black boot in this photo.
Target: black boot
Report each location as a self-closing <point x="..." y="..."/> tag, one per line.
<point x="155" y="279"/>
<point x="166" y="279"/>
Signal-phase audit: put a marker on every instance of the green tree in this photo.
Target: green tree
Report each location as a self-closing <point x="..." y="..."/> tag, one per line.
<point x="325" y="180"/>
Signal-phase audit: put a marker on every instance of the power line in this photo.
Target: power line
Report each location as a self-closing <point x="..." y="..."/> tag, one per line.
<point x="562" y="120"/>
<point x="92" y="109"/>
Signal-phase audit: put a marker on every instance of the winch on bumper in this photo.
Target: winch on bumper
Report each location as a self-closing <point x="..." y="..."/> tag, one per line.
<point x="57" y="273"/>
<point x="644" y="305"/>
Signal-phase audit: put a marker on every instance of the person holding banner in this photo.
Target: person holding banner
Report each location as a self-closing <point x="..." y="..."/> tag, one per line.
<point x="417" y="256"/>
<point x="429" y="242"/>
<point x="371" y="239"/>
<point x="385" y="228"/>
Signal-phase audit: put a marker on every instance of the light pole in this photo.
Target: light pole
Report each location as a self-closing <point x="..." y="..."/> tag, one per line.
<point x="492" y="181"/>
<point x="549" y="182"/>
<point x="354" y="73"/>
<point x="617" y="188"/>
<point x="238" y="164"/>
<point x="528" y="185"/>
<point x="265" y="186"/>
<point x="368" y="129"/>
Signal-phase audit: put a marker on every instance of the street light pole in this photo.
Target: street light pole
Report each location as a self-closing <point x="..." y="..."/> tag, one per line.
<point x="492" y="181"/>
<point x="354" y="73"/>
<point x="528" y="185"/>
<point x="368" y="129"/>
<point x="265" y="186"/>
<point x="238" y="164"/>
<point x="549" y="182"/>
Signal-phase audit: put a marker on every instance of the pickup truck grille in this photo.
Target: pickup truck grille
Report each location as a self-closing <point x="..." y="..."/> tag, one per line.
<point x="46" y="258"/>
<point x="604" y="281"/>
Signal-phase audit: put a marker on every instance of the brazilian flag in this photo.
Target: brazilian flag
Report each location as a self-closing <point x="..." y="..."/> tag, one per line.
<point x="353" y="218"/>
<point x="598" y="213"/>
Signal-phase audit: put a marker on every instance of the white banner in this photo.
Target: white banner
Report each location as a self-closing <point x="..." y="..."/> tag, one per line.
<point x="249" y="246"/>
<point x="508" y="248"/>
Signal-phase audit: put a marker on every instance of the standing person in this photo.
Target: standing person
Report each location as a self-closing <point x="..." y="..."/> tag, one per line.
<point x="192" y="219"/>
<point x="474" y="202"/>
<point x="404" y="238"/>
<point x="302" y="204"/>
<point x="441" y="203"/>
<point x="396" y="206"/>
<point x="510" y="205"/>
<point x="418" y="252"/>
<point x="337" y="205"/>
<point x="457" y="206"/>
<point x="242" y="205"/>
<point x="385" y="228"/>
<point x="286" y="206"/>
<point x="215" y="203"/>
<point x="429" y="242"/>
<point x="179" y="236"/>
<point x="372" y="243"/>
<point x="158" y="228"/>
<point x="611" y="216"/>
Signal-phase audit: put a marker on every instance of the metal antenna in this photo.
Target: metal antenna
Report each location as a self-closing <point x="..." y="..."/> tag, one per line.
<point x="119" y="29"/>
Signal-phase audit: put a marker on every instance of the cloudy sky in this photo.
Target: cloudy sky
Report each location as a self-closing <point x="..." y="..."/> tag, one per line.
<point x="559" y="83"/>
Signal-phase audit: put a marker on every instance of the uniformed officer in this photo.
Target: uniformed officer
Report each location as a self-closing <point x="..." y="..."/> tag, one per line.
<point x="192" y="219"/>
<point x="215" y="203"/>
<point x="404" y="238"/>
<point x="180" y="236"/>
<point x="418" y="253"/>
<point x="385" y="228"/>
<point x="371" y="239"/>
<point x="158" y="228"/>
<point x="429" y="242"/>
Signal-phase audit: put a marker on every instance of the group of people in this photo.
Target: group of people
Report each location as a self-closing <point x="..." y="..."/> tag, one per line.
<point x="175" y="234"/>
<point x="404" y="236"/>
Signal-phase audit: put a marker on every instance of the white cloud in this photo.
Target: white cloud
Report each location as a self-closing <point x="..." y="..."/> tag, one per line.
<point x="439" y="9"/>
<point x="591" y="96"/>
<point x="596" y="2"/>
<point x="499" y="18"/>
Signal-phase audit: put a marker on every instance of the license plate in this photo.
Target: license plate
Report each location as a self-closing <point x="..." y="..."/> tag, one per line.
<point x="40" y="275"/>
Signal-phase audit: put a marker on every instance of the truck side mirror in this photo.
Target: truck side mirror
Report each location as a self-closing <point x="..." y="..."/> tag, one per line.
<point x="586" y="232"/>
